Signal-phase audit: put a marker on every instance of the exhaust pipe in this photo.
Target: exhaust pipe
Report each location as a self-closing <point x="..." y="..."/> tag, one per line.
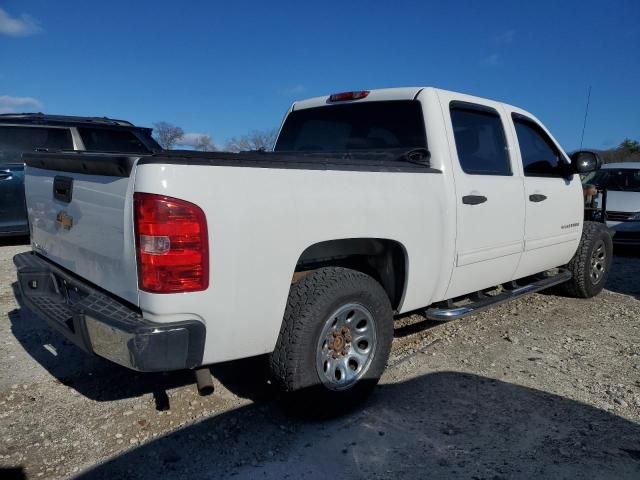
<point x="204" y="381"/>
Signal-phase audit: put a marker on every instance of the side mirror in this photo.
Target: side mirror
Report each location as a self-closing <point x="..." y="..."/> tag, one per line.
<point x="585" y="161"/>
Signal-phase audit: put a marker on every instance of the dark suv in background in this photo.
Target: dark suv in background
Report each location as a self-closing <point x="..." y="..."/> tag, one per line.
<point x="24" y="132"/>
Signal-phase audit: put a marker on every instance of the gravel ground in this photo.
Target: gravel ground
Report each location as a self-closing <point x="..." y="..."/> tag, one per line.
<point x="546" y="386"/>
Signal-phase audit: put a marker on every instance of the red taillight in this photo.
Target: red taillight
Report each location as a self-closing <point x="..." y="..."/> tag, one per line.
<point x="340" y="97"/>
<point x="172" y="244"/>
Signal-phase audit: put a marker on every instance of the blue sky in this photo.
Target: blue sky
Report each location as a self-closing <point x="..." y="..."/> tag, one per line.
<point x="224" y="68"/>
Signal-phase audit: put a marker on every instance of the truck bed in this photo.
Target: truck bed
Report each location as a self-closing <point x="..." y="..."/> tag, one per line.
<point x="263" y="211"/>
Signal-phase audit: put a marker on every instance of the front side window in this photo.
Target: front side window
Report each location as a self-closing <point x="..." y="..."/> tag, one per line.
<point x="354" y="126"/>
<point x="106" y="140"/>
<point x="540" y="157"/>
<point x="480" y="140"/>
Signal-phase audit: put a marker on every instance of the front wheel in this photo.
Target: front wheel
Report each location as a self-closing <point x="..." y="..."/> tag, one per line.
<point x="591" y="263"/>
<point x="334" y="342"/>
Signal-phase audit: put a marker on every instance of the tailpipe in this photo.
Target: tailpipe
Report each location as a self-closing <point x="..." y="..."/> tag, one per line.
<point x="204" y="381"/>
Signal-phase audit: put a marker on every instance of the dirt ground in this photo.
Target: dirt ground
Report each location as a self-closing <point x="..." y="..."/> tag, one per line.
<point x="545" y="387"/>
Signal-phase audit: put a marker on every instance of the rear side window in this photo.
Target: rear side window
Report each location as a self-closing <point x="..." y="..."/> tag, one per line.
<point x="354" y="126"/>
<point x="25" y="139"/>
<point x="540" y="157"/>
<point x="105" y="140"/>
<point x="480" y="140"/>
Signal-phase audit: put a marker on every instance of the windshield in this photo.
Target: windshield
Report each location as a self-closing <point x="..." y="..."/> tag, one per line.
<point x="616" y="179"/>
<point x="354" y="126"/>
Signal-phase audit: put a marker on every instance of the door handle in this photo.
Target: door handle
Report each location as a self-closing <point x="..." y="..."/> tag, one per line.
<point x="537" y="197"/>
<point x="473" y="199"/>
<point x="5" y="175"/>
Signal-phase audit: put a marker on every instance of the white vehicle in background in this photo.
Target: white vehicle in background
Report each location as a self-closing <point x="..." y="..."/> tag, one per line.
<point x="374" y="203"/>
<point x="622" y="182"/>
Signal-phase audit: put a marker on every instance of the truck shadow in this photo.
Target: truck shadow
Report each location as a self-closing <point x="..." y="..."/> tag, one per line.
<point x="102" y="380"/>
<point x="440" y="425"/>
<point x="90" y="375"/>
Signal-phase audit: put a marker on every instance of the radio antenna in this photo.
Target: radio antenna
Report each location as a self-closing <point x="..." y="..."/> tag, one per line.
<point x="586" y="113"/>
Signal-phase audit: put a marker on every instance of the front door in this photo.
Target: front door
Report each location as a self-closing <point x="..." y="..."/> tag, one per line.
<point x="489" y="194"/>
<point x="553" y="198"/>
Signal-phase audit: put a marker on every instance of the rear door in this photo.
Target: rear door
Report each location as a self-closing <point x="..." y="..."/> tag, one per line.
<point x="489" y="196"/>
<point x="80" y="209"/>
<point x="554" y="200"/>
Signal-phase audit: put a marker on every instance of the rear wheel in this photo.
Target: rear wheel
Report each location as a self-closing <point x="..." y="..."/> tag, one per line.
<point x="591" y="263"/>
<point x="334" y="342"/>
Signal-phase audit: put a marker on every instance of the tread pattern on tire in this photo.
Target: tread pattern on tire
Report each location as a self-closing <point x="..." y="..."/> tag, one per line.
<point x="578" y="286"/>
<point x="302" y="317"/>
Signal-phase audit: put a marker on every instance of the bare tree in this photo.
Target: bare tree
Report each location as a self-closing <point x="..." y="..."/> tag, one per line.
<point x="254" y="140"/>
<point x="204" y="143"/>
<point x="167" y="134"/>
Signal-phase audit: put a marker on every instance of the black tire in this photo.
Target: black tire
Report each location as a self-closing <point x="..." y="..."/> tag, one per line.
<point x="586" y="282"/>
<point x="312" y="301"/>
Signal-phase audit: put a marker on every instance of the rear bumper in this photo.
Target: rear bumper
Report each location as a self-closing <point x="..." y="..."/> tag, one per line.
<point x="100" y="324"/>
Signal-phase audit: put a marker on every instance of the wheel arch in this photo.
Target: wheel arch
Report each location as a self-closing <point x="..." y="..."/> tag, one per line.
<point x="383" y="259"/>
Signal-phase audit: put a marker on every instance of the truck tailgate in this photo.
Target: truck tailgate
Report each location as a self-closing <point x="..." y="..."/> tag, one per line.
<point x="80" y="214"/>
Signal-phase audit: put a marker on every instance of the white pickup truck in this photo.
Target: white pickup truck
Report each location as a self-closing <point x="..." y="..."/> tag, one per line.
<point x="374" y="203"/>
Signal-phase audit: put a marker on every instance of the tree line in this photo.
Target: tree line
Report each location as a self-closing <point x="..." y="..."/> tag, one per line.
<point x="627" y="151"/>
<point x="170" y="136"/>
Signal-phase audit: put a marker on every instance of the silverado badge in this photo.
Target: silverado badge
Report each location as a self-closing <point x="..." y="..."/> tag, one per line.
<point x="65" y="220"/>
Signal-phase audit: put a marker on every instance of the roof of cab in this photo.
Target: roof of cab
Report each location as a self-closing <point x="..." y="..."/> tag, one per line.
<point x="401" y="93"/>
<point x="381" y="94"/>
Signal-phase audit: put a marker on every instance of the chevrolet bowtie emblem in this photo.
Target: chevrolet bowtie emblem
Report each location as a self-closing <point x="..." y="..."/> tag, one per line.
<point x="65" y="220"/>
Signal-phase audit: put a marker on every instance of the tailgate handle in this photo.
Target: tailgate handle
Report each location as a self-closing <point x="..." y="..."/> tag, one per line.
<point x="62" y="188"/>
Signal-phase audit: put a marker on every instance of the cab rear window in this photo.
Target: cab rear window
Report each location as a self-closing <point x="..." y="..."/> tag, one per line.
<point x="354" y="126"/>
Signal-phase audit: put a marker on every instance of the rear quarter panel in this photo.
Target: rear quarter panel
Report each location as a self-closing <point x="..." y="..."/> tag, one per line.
<point x="260" y="220"/>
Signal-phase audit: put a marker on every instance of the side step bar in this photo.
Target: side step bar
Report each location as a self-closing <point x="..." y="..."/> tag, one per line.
<point x="484" y="301"/>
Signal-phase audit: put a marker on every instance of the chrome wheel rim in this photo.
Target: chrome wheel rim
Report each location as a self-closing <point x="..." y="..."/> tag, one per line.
<point x="346" y="346"/>
<point x="598" y="262"/>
